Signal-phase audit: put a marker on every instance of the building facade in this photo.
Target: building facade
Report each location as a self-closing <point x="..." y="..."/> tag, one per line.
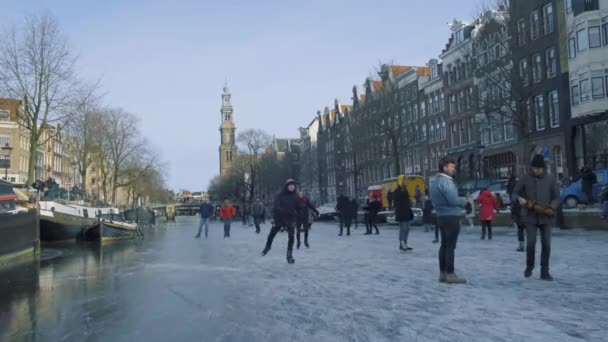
<point x="228" y="149"/>
<point x="435" y="119"/>
<point x="587" y="32"/>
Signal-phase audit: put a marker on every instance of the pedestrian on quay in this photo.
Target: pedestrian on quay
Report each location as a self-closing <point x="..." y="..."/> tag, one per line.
<point x="403" y="212"/>
<point x="257" y="211"/>
<point x="418" y="196"/>
<point x="538" y="194"/>
<point x="341" y="209"/>
<point x="206" y="211"/>
<point x="589" y="178"/>
<point x="349" y="213"/>
<point x="305" y="218"/>
<point x="372" y="208"/>
<point x="227" y="214"/>
<point x="285" y="214"/>
<point x="448" y="206"/>
<point x="488" y="205"/>
<point x="355" y="211"/>
<point x="469" y="211"/>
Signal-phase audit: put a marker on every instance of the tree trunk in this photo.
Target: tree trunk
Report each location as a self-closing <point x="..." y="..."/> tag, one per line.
<point x="33" y="148"/>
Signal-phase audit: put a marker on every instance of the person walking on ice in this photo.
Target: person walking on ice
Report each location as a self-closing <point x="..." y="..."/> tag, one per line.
<point x="305" y="218"/>
<point x="538" y="195"/>
<point x="206" y="210"/>
<point x="227" y="213"/>
<point x="285" y="214"/>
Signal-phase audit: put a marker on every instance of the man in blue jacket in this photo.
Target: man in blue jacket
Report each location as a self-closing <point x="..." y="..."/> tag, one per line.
<point x="206" y="210"/>
<point x="448" y="208"/>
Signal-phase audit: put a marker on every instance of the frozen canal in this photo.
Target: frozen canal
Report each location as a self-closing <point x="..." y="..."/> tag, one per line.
<point x="172" y="287"/>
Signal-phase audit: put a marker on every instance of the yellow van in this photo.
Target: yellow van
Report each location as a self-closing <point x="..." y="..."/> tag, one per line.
<point x="411" y="182"/>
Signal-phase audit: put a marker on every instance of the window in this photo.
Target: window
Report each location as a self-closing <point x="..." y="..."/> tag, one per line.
<point x="583" y="43"/>
<point x="585" y="91"/>
<point x="539" y="110"/>
<point x="521" y="32"/>
<point x="548" y="18"/>
<point x="530" y="112"/>
<point x="422" y="108"/>
<point x="523" y="71"/>
<point x="568" y="6"/>
<point x="5" y="138"/>
<point x="458" y="36"/>
<point x="575" y="95"/>
<point x="5" y="115"/>
<point x="559" y="163"/>
<point x="571" y="46"/>
<point x="595" y="39"/>
<point x="534" y="25"/>
<point x="537" y="68"/>
<point x="605" y="32"/>
<point x="452" y="104"/>
<point x="497" y="129"/>
<point x="597" y="87"/>
<point x="442" y="102"/>
<point x="554" y="109"/>
<point x="551" y="62"/>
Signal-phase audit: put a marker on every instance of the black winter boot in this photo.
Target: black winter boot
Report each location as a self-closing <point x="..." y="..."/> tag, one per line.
<point x="290" y="259"/>
<point x="544" y="275"/>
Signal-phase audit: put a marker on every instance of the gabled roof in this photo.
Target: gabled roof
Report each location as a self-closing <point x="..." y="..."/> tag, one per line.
<point x="344" y="108"/>
<point x="397" y="70"/>
<point x="377" y="85"/>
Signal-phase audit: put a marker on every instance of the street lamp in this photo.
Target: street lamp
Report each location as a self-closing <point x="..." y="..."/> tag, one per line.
<point x="7" y="159"/>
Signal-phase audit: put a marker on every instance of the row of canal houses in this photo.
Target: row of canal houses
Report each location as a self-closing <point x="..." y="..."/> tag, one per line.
<point x="515" y="82"/>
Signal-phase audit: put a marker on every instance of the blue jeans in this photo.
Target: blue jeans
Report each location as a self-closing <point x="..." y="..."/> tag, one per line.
<point x="204" y="222"/>
<point x="404" y="231"/>
<point x="227" y="223"/>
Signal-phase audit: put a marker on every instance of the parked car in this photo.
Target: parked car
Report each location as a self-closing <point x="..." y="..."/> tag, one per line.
<point x="327" y="211"/>
<point x="498" y="188"/>
<point x="474" y="185"/>
<point x="572" y="195"/>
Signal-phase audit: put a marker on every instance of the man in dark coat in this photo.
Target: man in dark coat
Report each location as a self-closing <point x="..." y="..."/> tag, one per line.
<point x="257" y="211"/>
<point x="403" y="212"/>
<point x="589" y="178"/>
<point x="372" y="208"/>
<point x="341" y="209"/>
<point x="304" y="220"/>
<point x="538" y="195"/>
<point x="285" y="213"/>
<point x="349" y="213"/>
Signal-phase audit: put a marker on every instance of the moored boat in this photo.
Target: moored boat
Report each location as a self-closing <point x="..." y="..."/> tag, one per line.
<point x="110" y="230"/>
<point x="60" y="222"/>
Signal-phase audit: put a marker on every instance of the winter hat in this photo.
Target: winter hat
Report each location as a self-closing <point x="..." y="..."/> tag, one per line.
<point x="290" y="181"/>
<point x="538" y="161"/>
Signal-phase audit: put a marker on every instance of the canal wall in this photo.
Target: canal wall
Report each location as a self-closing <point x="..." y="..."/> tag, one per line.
<point x="19" y="235"/>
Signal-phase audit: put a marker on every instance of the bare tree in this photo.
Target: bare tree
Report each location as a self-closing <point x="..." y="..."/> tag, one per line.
<point x="254" y="141"/>
<point x="37" y="67"/>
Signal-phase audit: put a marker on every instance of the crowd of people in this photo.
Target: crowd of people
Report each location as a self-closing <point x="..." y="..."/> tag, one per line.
<point x="535" y="201"/>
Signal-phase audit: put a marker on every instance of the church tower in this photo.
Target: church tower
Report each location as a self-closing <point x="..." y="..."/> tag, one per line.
<point x="227" y="130"/>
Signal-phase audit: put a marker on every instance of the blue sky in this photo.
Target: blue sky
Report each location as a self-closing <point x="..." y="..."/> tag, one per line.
<point x="166" y="61"/>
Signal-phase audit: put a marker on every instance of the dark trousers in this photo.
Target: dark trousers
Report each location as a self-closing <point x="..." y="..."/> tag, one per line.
<point x="346" y="222"/>
<point x="486" y="225"/>
<point x="545" y="240"/>
<point x="370" y="224"/>
<point x="521" y="230"/>
<point x="290" y="227"/>
<point x="227" y="227"/>
<point x="303" y="227"/>
<point x="256" y="222"/>
<point x="450" y="228"/>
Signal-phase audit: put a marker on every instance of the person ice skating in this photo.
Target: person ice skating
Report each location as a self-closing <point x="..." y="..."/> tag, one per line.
<point x="469" y="211"/>
<point x="227" y="214"/>
<point x="403" y="212"/>
<point x="538" y="194"/>
<point x="372" y="208"/>
<point x="521" y="227"/>
<point x="305" y="218"/>
<point x="285" y="214"/>
<point x="488" y="205"/>
<point x="206" y="210"/>
<point x="511" y="184"/>
<point x="257" y="211"/>
<point x="341" y="205"/>
<point x="418" y="196"/>
<point x="427" y="213"/>
<point x="355" y="211"/>
<point x="588" y="179"/>
<point x="448" y="207"/>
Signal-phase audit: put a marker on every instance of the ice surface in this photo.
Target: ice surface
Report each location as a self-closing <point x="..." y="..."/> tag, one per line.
<point x="172" y="287"/>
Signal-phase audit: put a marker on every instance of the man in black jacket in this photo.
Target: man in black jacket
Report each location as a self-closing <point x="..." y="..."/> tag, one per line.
<point x="403" y="212"/>
<point x="589" y="178"/>
<point x="341" y="209"/>
<point x="372" y="208"/>
<point x="538" y="195"/>
<point x="285" y="214"/>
